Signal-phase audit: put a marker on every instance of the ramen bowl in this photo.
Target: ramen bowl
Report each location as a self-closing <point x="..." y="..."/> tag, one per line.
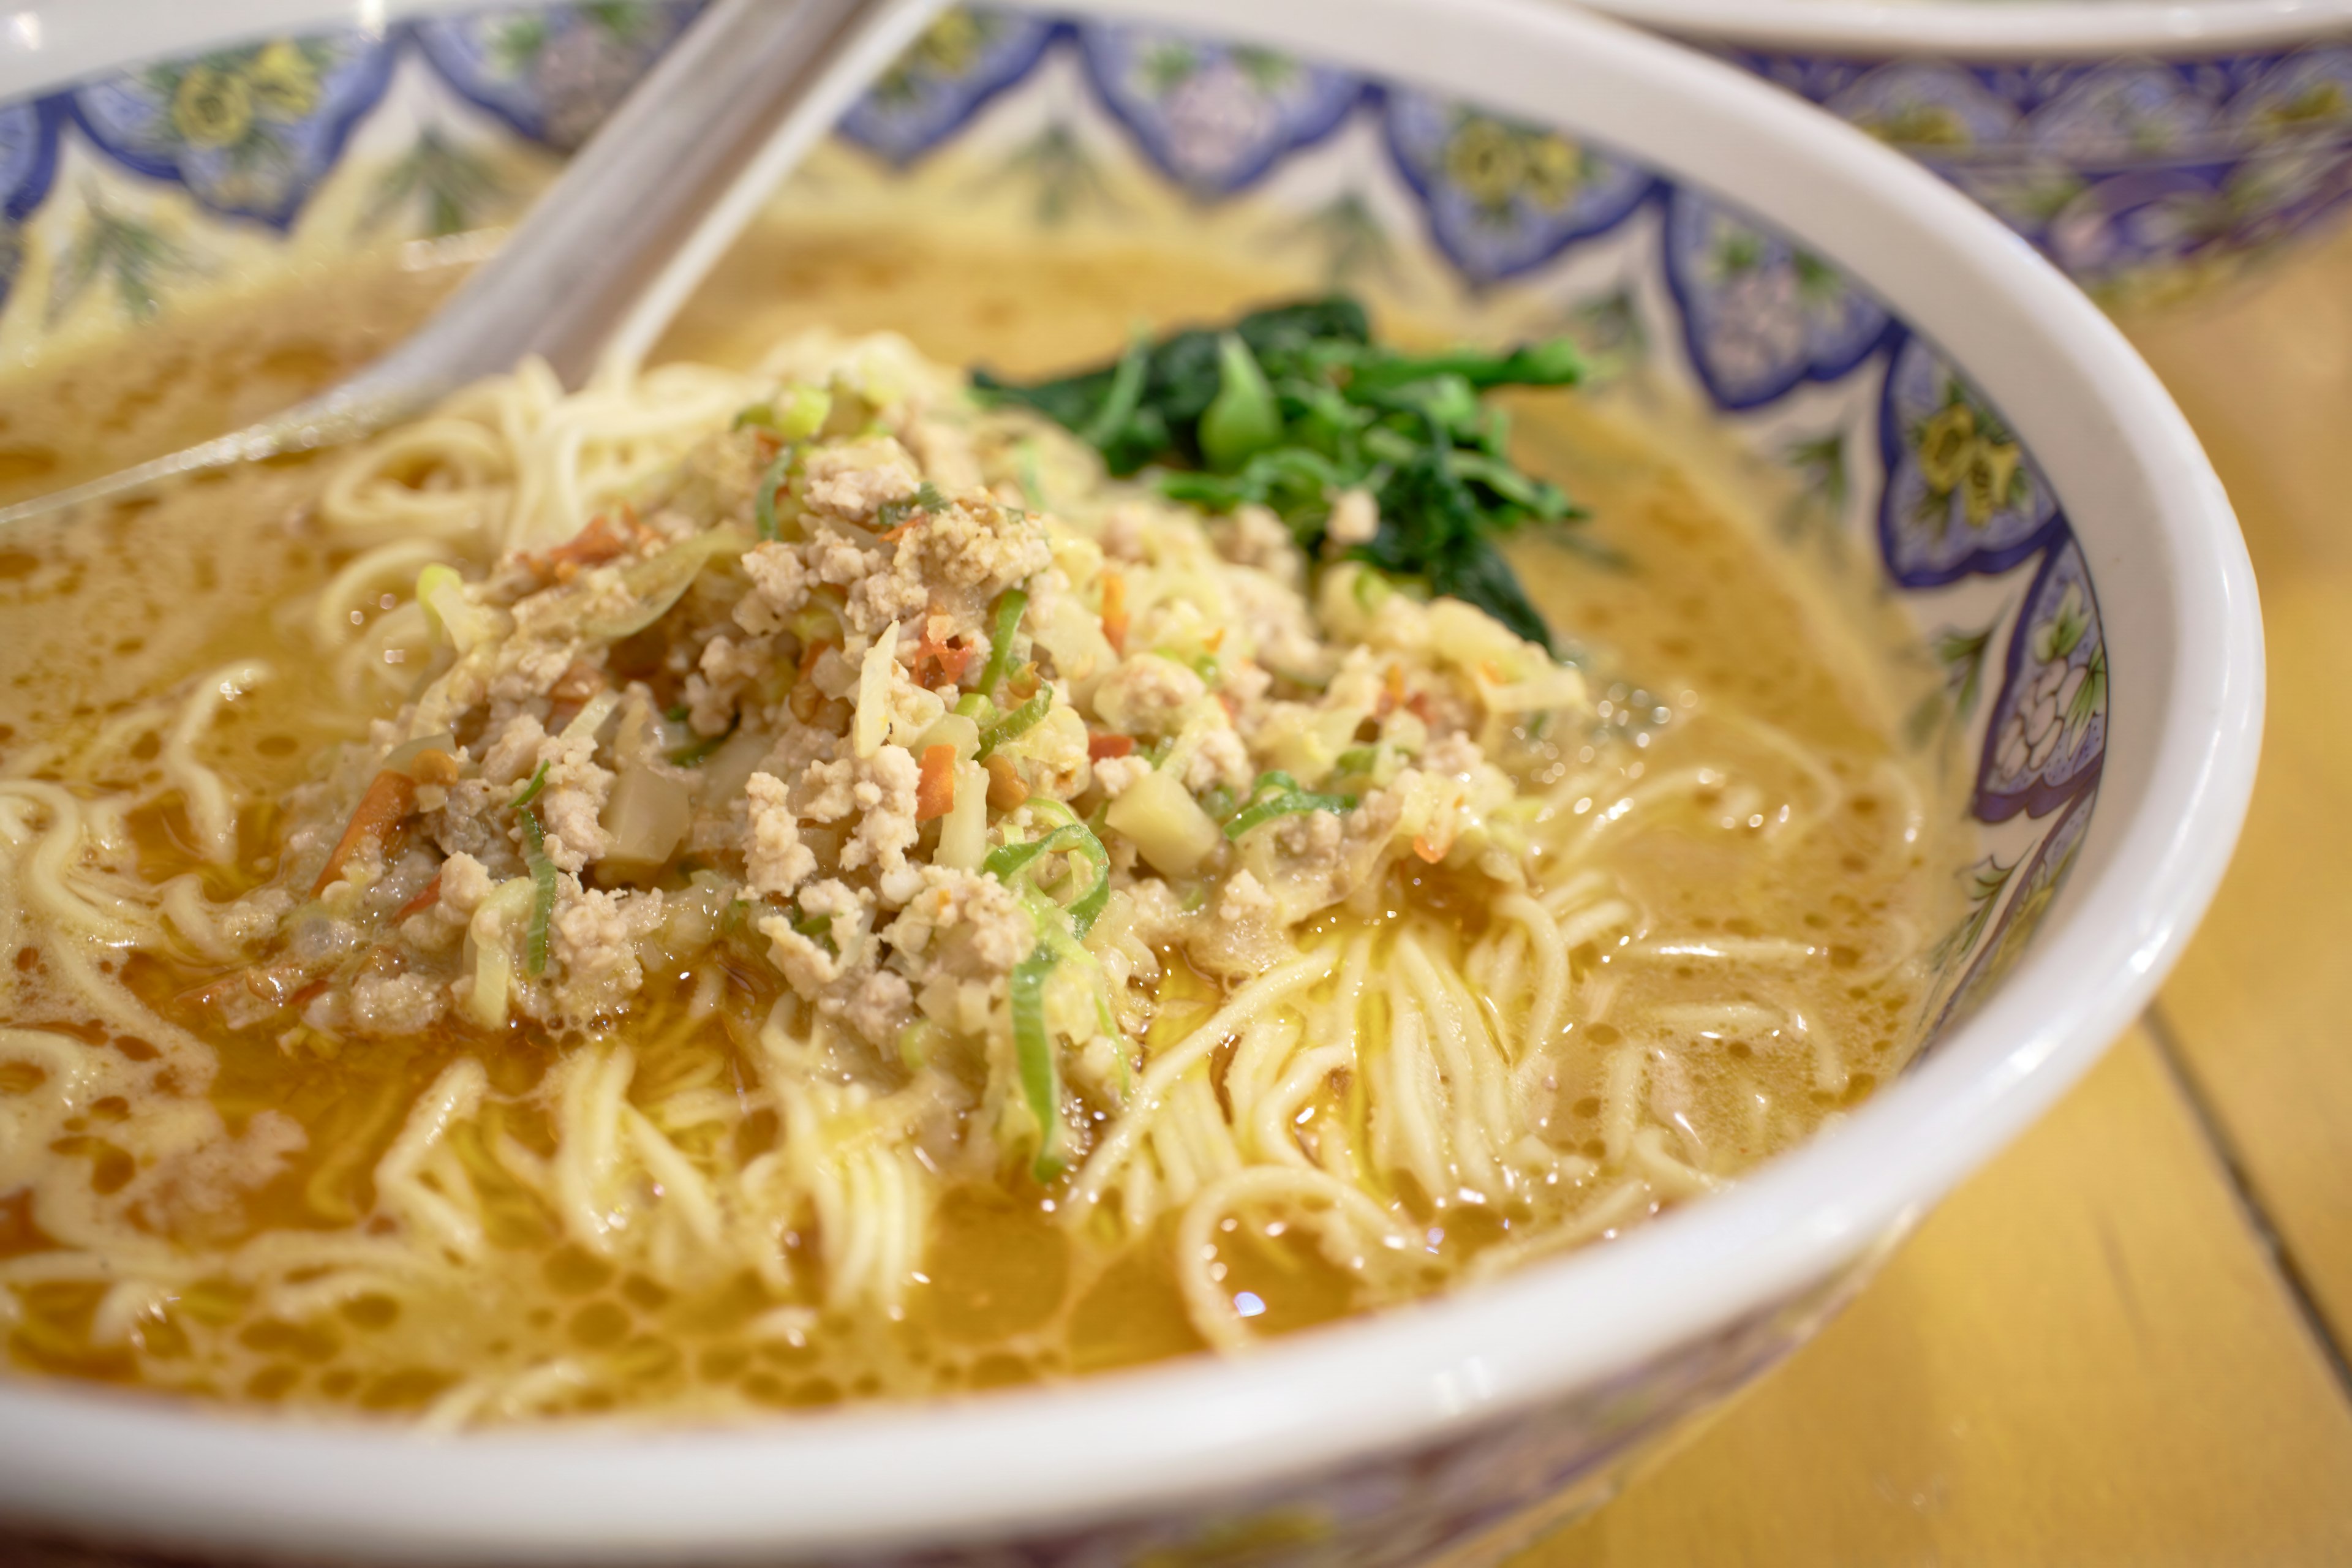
<point x="2148" y="150"/>
<point x="1940" y="407"/>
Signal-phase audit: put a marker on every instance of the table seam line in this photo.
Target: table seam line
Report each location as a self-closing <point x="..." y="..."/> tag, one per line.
<point x="2281" y="1256"/>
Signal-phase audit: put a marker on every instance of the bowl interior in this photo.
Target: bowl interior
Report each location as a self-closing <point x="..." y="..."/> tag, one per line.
<point x="1961" y="433"/>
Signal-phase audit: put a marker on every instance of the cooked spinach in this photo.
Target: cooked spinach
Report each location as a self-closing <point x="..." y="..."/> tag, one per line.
<point x="1291" y="407"/>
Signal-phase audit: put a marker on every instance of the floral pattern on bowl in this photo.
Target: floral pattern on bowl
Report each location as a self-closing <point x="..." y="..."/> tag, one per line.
<point x="1962" y="494"/>
<point x="551" y="72"/>
<point x="2141" y="177"/>
<point x="1214" y="117"/>
<point x="1502" y="198"/>
<point x="959" y="64"/>
<point x="1760" y="315"/>
<point x="1895" y="457"/>
<point x="2048" y="731"/>
<point x="249" y="132"/>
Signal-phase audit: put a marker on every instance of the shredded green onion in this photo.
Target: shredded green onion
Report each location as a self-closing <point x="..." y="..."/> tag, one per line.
<point x="542" y="873"/>
<point x="1017" y="723"/>
<point x="1005" y="620"/>
<point x="530" y="790"/>
<point x="1277" y="794"/>
<point x="695" y="754"/>
<point x="1010" y="861"/>
<point x="772" y="483"/>
<point x="816" y="928"/>
<point x="1041" y="1080"/>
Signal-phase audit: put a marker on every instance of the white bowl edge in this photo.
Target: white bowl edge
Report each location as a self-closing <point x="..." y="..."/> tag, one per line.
<point x="1995" y="29"/>
<point x="2184" y="725"/>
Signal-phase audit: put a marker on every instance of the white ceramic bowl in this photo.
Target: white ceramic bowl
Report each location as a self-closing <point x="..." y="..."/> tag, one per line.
<point x="2149" y="147"/>
<point x="1458" y="1424"/>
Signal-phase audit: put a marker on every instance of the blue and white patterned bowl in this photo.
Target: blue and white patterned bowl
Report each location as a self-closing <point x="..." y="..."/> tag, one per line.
<point x="2148" y="147"/>
<point x="1959" y="421"/>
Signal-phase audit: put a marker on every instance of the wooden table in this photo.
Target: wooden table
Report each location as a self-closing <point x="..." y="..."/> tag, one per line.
<point x="2125" y="1340"/>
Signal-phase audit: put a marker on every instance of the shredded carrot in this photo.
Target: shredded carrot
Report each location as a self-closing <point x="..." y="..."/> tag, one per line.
<point x="935" y="648"/>
<point x="593" y="545"/>
<point x="1432" y="842"/>
<point x="388" y="800"/>
<point x="423" y="901"/>
<point x="1114" y="611"/>
<point x="1418" y="706"/>
<point x="1391" y="690"/>
<point x="935" y="784"/>
<point x="1100" y="746"/>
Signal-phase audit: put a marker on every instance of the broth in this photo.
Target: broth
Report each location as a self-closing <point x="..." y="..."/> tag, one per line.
<point x="248" y="1147"/>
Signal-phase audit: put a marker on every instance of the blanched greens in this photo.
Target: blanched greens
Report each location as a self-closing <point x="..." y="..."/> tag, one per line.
<point x="1292" y="406"/>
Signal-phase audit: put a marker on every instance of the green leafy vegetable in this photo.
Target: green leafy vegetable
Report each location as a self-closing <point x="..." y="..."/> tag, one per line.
<point x="1244" y="419"/>
<point x="1278" y="794"/>
<point x="1291" y="407"/>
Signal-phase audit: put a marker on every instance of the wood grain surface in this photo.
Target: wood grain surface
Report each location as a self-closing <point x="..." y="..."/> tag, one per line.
<point x="2122" y="1342"/>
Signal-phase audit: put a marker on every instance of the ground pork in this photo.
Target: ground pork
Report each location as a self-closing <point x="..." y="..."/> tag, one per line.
<point x="775" y="860"/>
<point x="1149" y="694"/>
<point x="594" y="942"/>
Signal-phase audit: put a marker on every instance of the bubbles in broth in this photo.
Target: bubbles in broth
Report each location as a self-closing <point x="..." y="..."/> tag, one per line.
<point x="786" y="886"/>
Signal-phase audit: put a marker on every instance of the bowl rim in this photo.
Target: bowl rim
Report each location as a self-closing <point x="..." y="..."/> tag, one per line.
<point x="2186" y="714"/>
<point x="1988" y="30"/>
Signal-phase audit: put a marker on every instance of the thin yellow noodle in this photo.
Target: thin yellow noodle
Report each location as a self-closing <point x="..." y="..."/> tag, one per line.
<point x="1621" y="1095"/>
<point x="1680" y="783"/>
<point x="211" y="818"/>
<point x="1911" y="816"/>
<point x="1120" y="1140"/>
<point x="1665" y="1174"/>
<point x="361" y="497"/>
<point x="1274" y="1136"/>
<point x="396" y="562"/>
<point x="43" y="875"/>
<point x="455" y="1096"/>
<point x="1550" y="956"/>
<point x="587" y="1145"/>
<point x="1590" y="925"/>
<point x="1829" y="792"/>
<point x="1209" y="1307"/>
<point x="1458" y="1042"/>
<point x="1409" y="1116"/>
<point x="1620" y="1204"/>
<point x="681" y="1184"/>
<point x="1729" y="949"/>
<point x="122" y="1306"/>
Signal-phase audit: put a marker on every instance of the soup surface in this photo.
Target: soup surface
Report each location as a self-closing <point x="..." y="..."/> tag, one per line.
<point x="617" y="903"/>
